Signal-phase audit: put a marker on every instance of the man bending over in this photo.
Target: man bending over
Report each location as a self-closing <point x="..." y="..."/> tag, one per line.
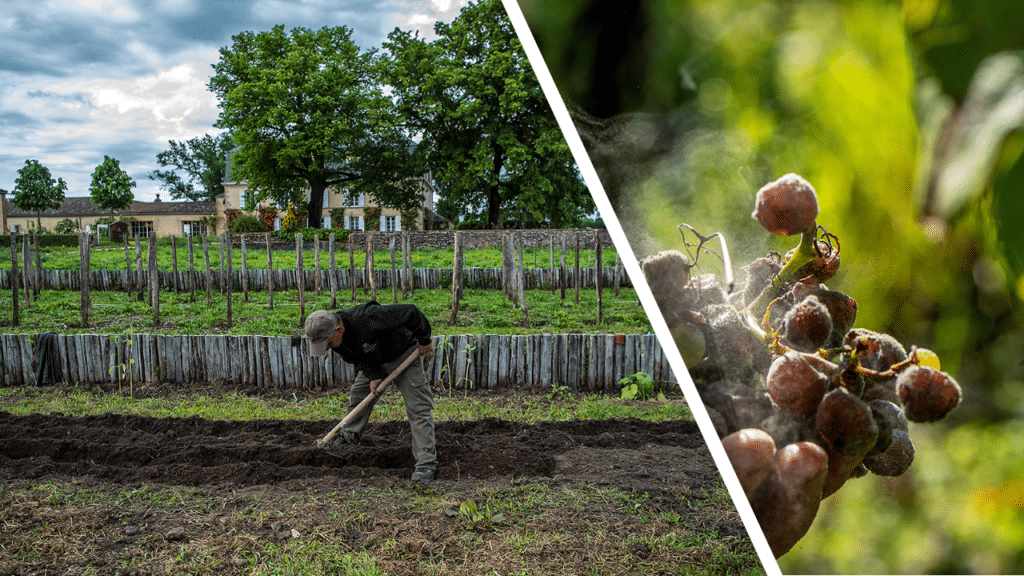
<point x="376" y="339"/>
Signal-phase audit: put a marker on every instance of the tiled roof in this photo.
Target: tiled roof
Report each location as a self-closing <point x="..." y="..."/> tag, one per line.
<point x="84" y="207"/>
<point x="437" y="218"/>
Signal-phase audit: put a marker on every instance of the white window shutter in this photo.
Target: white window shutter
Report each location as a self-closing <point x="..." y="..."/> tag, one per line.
<point x="327" y="221"/>
<point x="362" y="225"/>
<point x="398" y="223"/>
<point x="277" y="223"/>
<point x="327" y="197"/>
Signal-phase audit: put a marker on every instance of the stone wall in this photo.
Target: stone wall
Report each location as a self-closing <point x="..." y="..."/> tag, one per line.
<point x="443" y="239"/>
<point x="474" y="239"/>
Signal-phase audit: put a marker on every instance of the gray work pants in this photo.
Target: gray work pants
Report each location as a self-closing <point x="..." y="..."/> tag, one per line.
<point x="419" y="403"/>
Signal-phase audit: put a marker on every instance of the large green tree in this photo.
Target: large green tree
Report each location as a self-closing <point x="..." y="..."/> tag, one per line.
<point x="35" y="190"/>
<point x="488" y="133"/>
<point x="309" y="112"/>
<point x="203" y="160"/>
<point x="111" y="188"/>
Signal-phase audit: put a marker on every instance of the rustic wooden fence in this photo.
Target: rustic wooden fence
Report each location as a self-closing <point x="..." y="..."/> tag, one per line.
<point x="427" y="278"/>
<point x="592" y="362"/>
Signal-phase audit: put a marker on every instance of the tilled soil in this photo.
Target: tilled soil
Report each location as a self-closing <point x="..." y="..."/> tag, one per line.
<point x="129" y="449"/>
<point x="128" y="494"/>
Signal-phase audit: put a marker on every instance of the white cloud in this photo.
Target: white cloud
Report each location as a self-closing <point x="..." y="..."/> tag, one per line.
<point x="82" y="120"/>
<point x="420" y="15"/>
<point x="119" y="12"/>
<point x="88" y="78"/>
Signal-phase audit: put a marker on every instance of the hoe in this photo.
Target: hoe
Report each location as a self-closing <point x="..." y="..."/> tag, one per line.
<point x="370" y="399"/>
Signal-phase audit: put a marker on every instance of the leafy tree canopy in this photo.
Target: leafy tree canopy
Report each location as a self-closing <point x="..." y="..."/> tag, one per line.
<point x="202" y="160"/>
<point x="487" y="130"/>
<point x="35" y="190"/>
<point x="111" y="187"/>
<point x="309" y="113"/>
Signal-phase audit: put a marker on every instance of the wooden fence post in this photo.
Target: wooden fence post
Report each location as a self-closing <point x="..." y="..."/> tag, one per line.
<point x="522" y="279"/>
<point x="154" y="281"/>
<point x="563" y="271"/>
<point x="245" y="274"/>
<point x="127" y="268"/>
<point x="316" y="264"/>
<point x="270" y="273"/>
<point x="220" y="279"/>
<point x="576" y="268"/>
<point x="456" y="279"/>
<point x="352" y="265"/>
<point x="394" y="270"/>
<point x="371" y="275"/>
<point x="507" y="265"/>
<point x="37" y="283"/>
<point x="209" y="273"/>
<point x="191" y="271"/>
<point x="334" y="274"/>
<point x="83" y="246"/>
<point x="597" y="270"/>
<point x="406" y="266"/>
<point x="14" y="281"/>
<point x="230" y="277"/>
<point x="551" y="243"/>
<point x="300" y="279"/>
<point x="174" y="264"/>
<point x="26" y="264"/>
<point x="138" y="267"/>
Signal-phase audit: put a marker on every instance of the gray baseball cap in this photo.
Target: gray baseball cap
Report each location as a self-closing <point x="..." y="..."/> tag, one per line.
<point x="319" y="327"/>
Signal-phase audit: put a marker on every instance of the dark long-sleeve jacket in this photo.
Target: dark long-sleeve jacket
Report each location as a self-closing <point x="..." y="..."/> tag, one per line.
<point x="376" y="334"/>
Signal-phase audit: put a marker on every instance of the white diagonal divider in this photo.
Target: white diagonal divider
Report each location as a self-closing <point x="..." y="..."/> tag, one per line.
<point x="643" y="291"/>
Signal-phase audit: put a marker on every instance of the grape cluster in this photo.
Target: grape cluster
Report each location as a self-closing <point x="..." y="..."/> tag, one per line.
<point x="782" y="356"/>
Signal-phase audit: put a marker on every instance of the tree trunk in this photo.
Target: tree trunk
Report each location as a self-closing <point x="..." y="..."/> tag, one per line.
<point x="494" y="196"/>
<point x="316" y="204"/>
<point x="493" y="208"/>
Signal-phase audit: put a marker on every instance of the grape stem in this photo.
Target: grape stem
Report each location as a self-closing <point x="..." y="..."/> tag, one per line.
<point x="893" y="370"/>
<point x="804" y="253"/>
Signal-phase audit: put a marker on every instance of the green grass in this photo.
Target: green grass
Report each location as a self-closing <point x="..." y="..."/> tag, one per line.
<point x="517" y="406"/>
<point x="111" y="256"/>
<point x="532" y="528"/>
<point x="520" y="527"/>
<point x="480" y="311"/>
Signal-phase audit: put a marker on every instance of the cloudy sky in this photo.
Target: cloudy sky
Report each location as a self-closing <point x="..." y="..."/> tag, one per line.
<point x="80" y="79"/>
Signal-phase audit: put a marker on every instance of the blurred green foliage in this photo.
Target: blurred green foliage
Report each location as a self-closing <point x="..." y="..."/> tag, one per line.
<point x="908" y="118"/>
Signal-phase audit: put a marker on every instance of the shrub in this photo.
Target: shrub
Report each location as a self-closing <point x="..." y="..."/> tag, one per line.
<point x="337" y="217"/>
<point x="290" y="223"/>
<point x="247" y="223"/>
<point x="410" y="219"/>
<point x="66" y="226"/>
<point x="471" y="225"/>
<point x="232" y="214"/>
<point x="54" y="240"/>
<point x="308" y="234"/>
<point x="371" y="217"/>
<point x="268" y="214"/>
<point x="638" y="386"/>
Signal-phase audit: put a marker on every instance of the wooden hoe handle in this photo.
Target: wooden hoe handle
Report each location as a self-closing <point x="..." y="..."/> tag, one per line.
<point x="370" y="399"/>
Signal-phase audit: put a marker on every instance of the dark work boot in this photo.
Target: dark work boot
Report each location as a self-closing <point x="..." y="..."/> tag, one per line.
<point x="423" y="475"/>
